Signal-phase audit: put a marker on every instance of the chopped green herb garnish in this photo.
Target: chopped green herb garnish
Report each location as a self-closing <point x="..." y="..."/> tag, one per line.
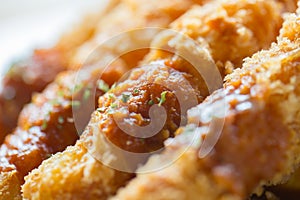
<point x="78" y="87"/>
<point x="44" y="125"/>
<point x="103" y="86"/>
<point x="86" y="94"/>
<point x="60" y="93"/>
<point x="150" y="102"/>
<point x="125" y="97"/>
<point x="114" y="86"/>
<point x="162" y="98"/>
<point x="54" y="102"/>
<point x="112" y="96"/>
<point x="136" y="91"/>
<point x="75" y="104"/>
<point x="61" y="120"/>
<point x="113" y="105"/>
<point x="111" y="111"/>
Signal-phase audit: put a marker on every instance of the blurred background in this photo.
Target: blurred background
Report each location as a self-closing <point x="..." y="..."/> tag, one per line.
<point x="26" y="25"/>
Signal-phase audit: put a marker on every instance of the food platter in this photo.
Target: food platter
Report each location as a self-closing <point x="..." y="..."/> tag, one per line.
<point x="173" y="99"/>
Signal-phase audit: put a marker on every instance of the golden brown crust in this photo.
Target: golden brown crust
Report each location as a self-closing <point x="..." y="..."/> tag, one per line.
<point x="46" y="125"/>
<point x="258" y="145"/>
<point x="36" y="72"/>
<point x="144" y="80"/>
<point x="290" y="5"/>
<point x="123" y="18"/>
<point x="10" y="186"/>
<point x="37" y="184"/>
<point x="233" y="32"/>
<point x="64" y="182"/>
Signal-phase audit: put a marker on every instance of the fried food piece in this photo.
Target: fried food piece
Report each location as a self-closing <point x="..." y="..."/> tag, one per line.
<point x="127" y="16"/>
<point x="9" y="182"/>
<point x="46" y="125"/>
<point x="259" y="142"/>
<point x="267" y="195"/>
<point x="55" y="177"/>
<point x="74" y="160"/>
<point x="39" y="133"/>
<point x="291" y="30"/>
<point x="228" y="29"/>
<point x="293" y="183"/>
<point x="35" y="73"/>
<point x="290" y="5"/>
<point x="99" y="181"/>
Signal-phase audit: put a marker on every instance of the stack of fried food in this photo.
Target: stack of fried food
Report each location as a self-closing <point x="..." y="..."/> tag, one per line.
<point x="257" y="106"/>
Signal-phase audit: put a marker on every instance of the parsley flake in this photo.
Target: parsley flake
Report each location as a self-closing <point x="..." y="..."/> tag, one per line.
<point x="61" y="120"/>
<point x="111" y="96"/>
<point x="75" y="104"/>
<point x="136" y="91"/>
<point x="162" y="98"/>
<point x="114" y="86"/>
<point x="86" y="94"/>
<point x="54" y="102"/>
<point x="78" y="87"/>
<point x="113" y="105"/>
<point x="44" y="125"/>
<point x="103" y="86"/>
<point x="150" y="102"/>
<point x="60" y="93"/>
<point x="125" y="97"/>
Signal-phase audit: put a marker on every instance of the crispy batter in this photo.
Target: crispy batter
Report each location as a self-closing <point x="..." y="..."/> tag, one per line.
<point x="258" y="144"/>
<point x="36" y="72"/>
<point x="290" y="5"/>
<point x="38" y="184"/>
<point x="141" y="80"/>
<point x="74" y="160"/>
<point x="227" y="34"/>
<point x="291" y="30"/>
<point x="46" y="125"/>
<point x="127" y="16"/>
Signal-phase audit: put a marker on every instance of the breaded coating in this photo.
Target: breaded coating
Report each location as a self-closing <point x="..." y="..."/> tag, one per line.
<point x="131" y="15"/>
<point x="46" y="125"/>
<point x="291" y="29"/>
<point x="225" y="30"/>
<point x="9" y="182"/>
<point x="74" y="160"/>
<point x="74" y="48"/>
<point x="34" y="73"/>
<point x="164" y="69"/>
<point x="141" y="80"/>
<point x="259" y="143"/>
<point x="290" y="5"/>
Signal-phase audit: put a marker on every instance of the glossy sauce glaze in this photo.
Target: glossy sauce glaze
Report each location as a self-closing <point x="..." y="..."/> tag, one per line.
<point x="47" y="125"/>
<point x="22" y="80"/>
<point x="129" y="104"/>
